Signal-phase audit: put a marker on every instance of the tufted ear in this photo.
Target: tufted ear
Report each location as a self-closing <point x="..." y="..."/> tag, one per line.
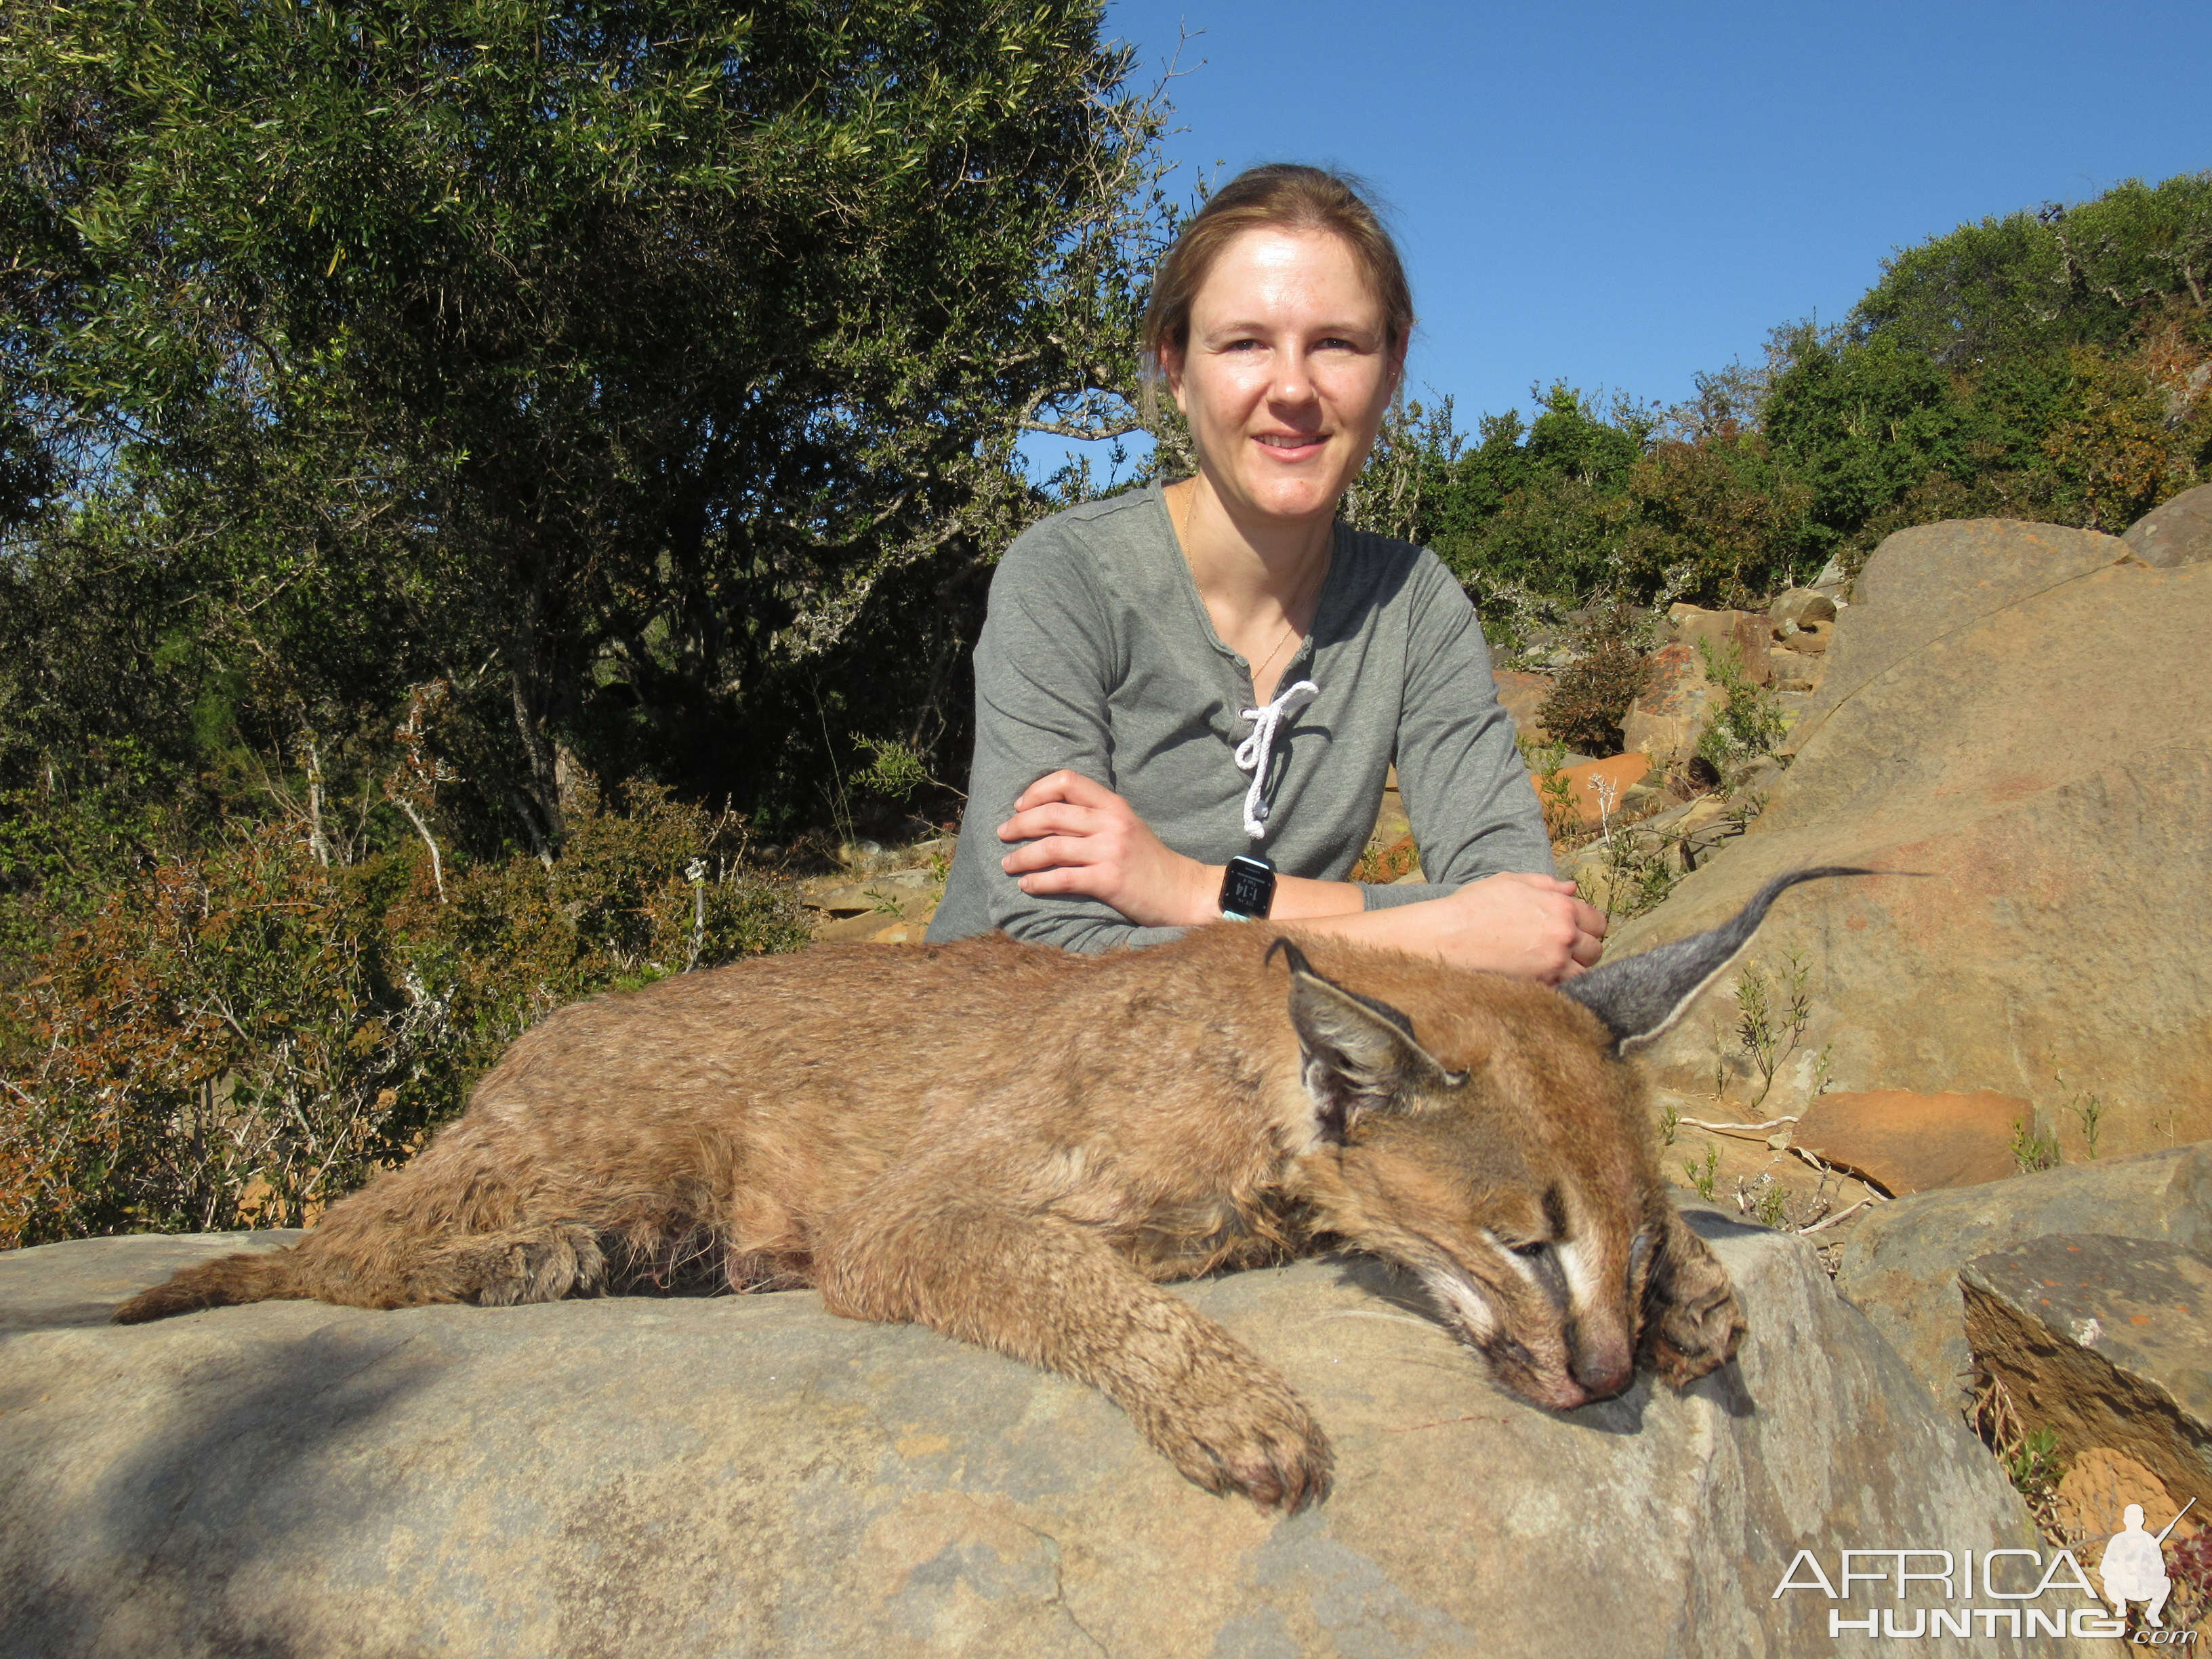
<point x="1640" y="996"/>
<point x="1358" y="1053"/>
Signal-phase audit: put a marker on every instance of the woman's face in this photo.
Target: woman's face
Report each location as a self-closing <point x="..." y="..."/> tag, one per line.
<point x="1287" y="375"/>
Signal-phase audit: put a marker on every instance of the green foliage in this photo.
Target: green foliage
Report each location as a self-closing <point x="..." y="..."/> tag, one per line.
<point x="1703" y="1177"/>
<point x="650" y="374"/>
<point x="1546" y="760"/>
<point x="1747" y="726"/>
<point x="1771" y="1017"/>
<point x="2032" y="1465"/>
<point x="237" y="1035"/>
<point x="2033" y="1149"/>
<point x="1593" y="694"/>
<point x="2047" y="366"/>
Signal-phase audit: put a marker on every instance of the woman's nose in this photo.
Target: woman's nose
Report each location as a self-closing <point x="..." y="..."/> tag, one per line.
<point x="1293" y="379"/>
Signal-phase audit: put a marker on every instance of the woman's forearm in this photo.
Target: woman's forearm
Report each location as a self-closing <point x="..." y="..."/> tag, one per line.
<point x="1530" y="925"/>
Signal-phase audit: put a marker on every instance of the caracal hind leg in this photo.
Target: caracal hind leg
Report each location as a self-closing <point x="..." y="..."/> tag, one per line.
<point x="1044" y="1290"/>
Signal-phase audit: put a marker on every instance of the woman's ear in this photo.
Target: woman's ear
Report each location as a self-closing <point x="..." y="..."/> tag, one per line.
<point x="1171" y="358"/>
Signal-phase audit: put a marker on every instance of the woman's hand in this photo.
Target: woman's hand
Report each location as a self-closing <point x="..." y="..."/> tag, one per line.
<point x="1529" y="926"/>
<point x="1080" y="837"/>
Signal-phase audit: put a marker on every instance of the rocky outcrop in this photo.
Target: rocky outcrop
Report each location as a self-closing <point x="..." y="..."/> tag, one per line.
<point x="1678" y="702"/>
<point x="2102" y="1342"/>
<point x="2000" y="713"/>
<point x="2179" y="532"/>
<point x="751" y="1476"/>
<point x="1900" y="1265"/>
<point x="1746" y="633"/>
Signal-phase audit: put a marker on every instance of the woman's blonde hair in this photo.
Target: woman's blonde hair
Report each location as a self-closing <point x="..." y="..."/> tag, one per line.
<point x="1281" y="196"/>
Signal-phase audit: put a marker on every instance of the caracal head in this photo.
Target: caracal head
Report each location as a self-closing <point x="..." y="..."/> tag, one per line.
<point x="1513" y="1173"/>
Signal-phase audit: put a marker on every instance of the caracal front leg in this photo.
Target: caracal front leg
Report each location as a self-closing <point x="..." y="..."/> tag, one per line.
<point x="1044" y="1289"/>
<point x="1691" y="1323"/>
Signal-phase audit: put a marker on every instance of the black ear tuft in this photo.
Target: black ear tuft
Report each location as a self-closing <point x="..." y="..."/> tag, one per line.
<point x="1358" y="1053"/>
<point x="1639" y="997"/>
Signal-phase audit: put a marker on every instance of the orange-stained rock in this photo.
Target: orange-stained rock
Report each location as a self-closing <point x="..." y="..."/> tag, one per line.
<point x="1523" y="695"/>
<point x="1908" y="1143"/>
<point x="1591" y="779"/>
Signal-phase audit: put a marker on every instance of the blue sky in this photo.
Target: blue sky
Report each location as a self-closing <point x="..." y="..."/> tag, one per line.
<point x="1621" y="196"/>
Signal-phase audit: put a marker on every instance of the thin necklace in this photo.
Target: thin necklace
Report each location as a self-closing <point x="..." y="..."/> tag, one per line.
<point x="1179" y="519"/>
<point x="1290" y="619"/>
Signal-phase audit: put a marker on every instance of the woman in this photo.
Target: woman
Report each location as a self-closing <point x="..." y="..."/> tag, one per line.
<point x="1179" y="687"/>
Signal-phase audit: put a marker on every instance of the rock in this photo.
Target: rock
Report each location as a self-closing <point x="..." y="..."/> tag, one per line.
<point x="1677" y="704"/>
<point x="1740" y="631"/>
<point x="2179" y="532"/>
<point x="2027" y="745"/>
<point x="1907" y="1142"/>
<point x="1812" y="640"/>
<point x="2104" y="1341"/>
<point x="1795" y="607"/>
<point x="1795" y="671"/>
<point x="1936" y="580"/>
<point x="1600" y="786"/>
<point x="1901" y="1264"/>
<point x="1523" y="695"/>
<point x="2092" y="1500"/>
<point x="748" y="1476"/>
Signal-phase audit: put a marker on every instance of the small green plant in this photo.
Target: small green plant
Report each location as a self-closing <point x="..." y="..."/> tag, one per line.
<point x="883" y="904"/>
<point x="1705" y="1176"/>
<point x="1823" y="1069"/>
<point x="1545" y="759"/>
<point x="1670" y="1121"/>
<point x="1748" y="726"/>
<point x="895" y="769"/>
<point x="1774" y="1208"/>
<point x="2085" y="1109"/>
<point x="2032" y="1464"/>
<point x="1637" y="873"/>
<point x="2033" y="1149"/>
<point x="2028" y="1457"/>
<point x="1769" y="1029"/>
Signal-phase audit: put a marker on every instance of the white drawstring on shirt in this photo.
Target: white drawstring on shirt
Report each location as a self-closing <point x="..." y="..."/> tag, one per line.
<point x="1252" y="755"/>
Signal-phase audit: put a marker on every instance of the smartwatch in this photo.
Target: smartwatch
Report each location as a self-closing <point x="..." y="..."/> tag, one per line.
<point x="1248" y="889"/>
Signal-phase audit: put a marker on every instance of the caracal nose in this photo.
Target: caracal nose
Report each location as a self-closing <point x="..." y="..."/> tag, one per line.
<point x="1605" y="1371"/>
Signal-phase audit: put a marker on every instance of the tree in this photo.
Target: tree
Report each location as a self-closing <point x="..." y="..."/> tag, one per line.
<point x="646" y="372"/>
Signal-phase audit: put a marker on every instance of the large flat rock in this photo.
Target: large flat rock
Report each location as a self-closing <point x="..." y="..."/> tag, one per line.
<point x="2006" y="720"/>
<point x="751" y="1476"/>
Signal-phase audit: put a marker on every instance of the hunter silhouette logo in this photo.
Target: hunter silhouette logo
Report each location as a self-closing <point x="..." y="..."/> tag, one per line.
<point x="2133" y="1567"/>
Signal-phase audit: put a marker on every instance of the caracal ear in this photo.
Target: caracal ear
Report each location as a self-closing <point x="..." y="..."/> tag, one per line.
<point x="1639" y="997"/>
<point x="1358" y="1053"/>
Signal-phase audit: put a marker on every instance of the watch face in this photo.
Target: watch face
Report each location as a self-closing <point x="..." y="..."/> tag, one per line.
<point x="1248" y="889"/>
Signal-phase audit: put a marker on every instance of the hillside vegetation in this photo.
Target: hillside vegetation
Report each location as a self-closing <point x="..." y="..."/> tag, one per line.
<point x="474" y="473"/>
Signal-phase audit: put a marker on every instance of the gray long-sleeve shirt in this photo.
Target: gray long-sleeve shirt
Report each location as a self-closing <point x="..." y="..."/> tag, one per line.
<point x="1097" y="655"/>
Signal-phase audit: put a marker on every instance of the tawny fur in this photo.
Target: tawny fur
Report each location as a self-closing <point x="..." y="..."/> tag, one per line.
<point x="1010" y="1145"/>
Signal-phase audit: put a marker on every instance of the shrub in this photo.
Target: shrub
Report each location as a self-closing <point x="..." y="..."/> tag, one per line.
<point x="237" y="1037"/>
<point x="1748" y="723"/>
<point x="1593" y="694"/>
